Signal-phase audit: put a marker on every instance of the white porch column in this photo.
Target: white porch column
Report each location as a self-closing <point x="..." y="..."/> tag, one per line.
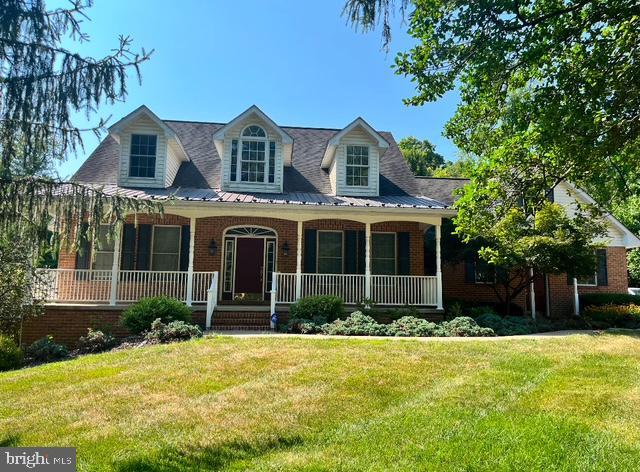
<point x="367" y="261"/>
<point x="576" y="297"/>
<point x="439" y="266"/>
<point x="532" y="295"/>
<point x="115" y="267"/>
<point x="192" y="244"/>
<point x="299" y="263"/>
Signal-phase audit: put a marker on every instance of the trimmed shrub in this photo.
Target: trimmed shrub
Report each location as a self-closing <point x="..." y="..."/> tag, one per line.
<point x="171" y="332"/>
<point x="599" y="299"/>
<point x="411" y="326"/>
<point x="95" y="341"/>
<point x="46" y="350"/>
<point x="463" y="326"/>
<point x="10" y="354"/>
<point x="325" y="306"/>
<point x="139" y="317"/>
<point x="508" y="326"/>
<point x="356" y="324"/>
<point x="305" y="326"/>
<point x="612" y="316"/>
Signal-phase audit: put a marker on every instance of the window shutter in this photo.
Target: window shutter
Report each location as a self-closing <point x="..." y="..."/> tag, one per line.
<point x="185" y="237"/>
<point x="83" y="256"/>
<point x="128" y="247"/>
<point x="469" y="269"/>
<point x="404" y="256"/>
<point x="362" y="249"/>
<point x="234" y="160"/>
<point x="143" y="261"/>
<point x="310" y="250"/>
<point x="350" y="252"/>
<point x="603" y="278"/>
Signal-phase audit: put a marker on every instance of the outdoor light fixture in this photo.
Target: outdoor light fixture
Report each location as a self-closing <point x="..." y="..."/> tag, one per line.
<point x="285" y="248"/>
<point x="213" y="247"/>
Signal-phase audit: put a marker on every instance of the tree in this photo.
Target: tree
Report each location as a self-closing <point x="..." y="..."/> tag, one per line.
<point x="420" y="155"/>
<point x="461" y="168"/>
<point x="628" y="212"/>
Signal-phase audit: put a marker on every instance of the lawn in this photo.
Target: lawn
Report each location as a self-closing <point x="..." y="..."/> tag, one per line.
<point x="326" y="404"/>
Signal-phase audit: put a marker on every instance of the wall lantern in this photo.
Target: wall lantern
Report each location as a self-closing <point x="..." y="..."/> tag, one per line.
<point x="285" y="248"/>
<point x="213" y="247"/>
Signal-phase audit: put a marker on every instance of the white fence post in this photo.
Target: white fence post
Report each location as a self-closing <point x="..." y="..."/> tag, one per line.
<point x="576" y="297"/>
<point x="212" y="300"/>
<point x="115" y="266"/>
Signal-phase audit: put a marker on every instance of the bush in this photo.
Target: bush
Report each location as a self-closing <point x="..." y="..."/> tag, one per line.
<point x="305" y="326"/>
<point x="95" y="341"/>
<point x="411" y="326"/>
<point x="356" y="324"/>
<point x="463" y="326"/>
<point x="508" y="326"/>
<point x="613" y="316"/>
<point x="599" y="299"/>
<point x="10" y="354"/>
<point x="138" y="318"/>
<point x="173" y="331"/>
<point x="328" y="307"/>
<point x="46" y="350"/>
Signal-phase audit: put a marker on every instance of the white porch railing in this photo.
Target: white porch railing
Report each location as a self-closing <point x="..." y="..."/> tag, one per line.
<point x="95" y="286"/>
<point x="398" y="290"/>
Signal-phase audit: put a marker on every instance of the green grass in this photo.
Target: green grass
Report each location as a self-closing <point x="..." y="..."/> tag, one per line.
<point x="318" y="404"/>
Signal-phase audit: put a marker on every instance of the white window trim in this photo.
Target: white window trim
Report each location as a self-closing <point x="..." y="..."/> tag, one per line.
<point x="395" y="251"/>
<point x="347" y="165"/>
<point x="153" y="237"/>
<point x="96" y="250"/>
<point x="240" y="160"/>
<point x="341" y="249"/>
<point x="155" y="167"/>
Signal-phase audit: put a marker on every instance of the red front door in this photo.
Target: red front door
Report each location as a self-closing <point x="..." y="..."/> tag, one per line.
<point x="249" y="269"/>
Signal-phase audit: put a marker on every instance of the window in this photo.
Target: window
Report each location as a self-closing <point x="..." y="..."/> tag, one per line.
<point x="358" y="166"/>
<point x="329" y="252"/>
<point x="166" y="248"/>
<point x="142" y="159"/>
<point x="383" y="253"/>
<point x="103" y="250"/>
<point x="253" y="154"/>
<point x="485" y="272"/>
<point x="599" y="276"/>
<point x="590" y="280"/>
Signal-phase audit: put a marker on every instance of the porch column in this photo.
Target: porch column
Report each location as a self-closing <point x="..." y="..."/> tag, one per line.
<point x="438" y="267"/>
<point x="299" y="263"/>
<point x="532" y="295"/>
<point x="576" y="297"/>
<point x="367" y="261"/>
<point x="115" y="267"/>
<point x="192" y="244"/>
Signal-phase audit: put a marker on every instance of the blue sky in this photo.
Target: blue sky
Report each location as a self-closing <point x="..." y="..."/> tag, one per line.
<point x="303" y="66"/>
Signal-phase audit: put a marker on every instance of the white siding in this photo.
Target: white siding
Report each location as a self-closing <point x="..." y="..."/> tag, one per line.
<point x="565" y="196"/>
<point x="173" y="163"/>
<point x="360" y="137"/>
<point x="272" y="135"/>
<point x="332" y="176"/>
<point x="143" y="125"/>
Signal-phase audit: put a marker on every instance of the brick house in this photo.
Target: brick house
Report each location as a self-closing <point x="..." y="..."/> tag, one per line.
<point x="262" y="215"/>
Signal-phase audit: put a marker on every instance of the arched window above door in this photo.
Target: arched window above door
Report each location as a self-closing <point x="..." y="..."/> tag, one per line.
<point x="252" y="231"/>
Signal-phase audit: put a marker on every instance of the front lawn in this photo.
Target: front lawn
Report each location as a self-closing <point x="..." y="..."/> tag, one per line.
<point x="338" y="404"/>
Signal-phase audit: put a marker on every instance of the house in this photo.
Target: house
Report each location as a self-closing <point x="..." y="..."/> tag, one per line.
<point x="258" y="215"/>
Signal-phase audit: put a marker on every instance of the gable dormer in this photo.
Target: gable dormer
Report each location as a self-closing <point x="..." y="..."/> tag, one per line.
<point x="353" y="157"/>
<point x="254" y="151"/>
<point x="150" y="151"/>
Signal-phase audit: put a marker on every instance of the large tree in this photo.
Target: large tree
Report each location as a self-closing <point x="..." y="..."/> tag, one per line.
<point x="421" y="155"/>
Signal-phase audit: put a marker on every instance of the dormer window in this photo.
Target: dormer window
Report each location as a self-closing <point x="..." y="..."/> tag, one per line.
<point x="256" y="159"/>
<point x="142" y="158"/>
<point x="358" y="166"/>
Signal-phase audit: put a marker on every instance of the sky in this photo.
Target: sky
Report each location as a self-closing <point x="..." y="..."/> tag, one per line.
<point x="303" y="66"/>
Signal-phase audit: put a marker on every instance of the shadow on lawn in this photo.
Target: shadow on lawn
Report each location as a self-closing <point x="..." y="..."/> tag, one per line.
<point x="10" y="440"/>
<point x="207" y="458"/>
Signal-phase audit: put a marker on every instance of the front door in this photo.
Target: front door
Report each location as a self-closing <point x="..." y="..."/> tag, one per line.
<point x="249" y="269"/>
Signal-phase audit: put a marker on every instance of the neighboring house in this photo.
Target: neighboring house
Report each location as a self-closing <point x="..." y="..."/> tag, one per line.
<point x="264" y="214"/>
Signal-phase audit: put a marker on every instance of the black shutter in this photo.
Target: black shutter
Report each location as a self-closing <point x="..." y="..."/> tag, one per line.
<point x="350" y="252"/>
<point x="185" y="236"/>
<point x="603" y="278"/>
<point x="470" y="269"/>
<point x="83" y="256"/>
<point x="362" y="249"/>
<point x="404" y="256"/>
<point x="143" y="261"/>
<point x="128" y="247"/>
<point x="310" y="250"/>
<point x="570" y="279"/>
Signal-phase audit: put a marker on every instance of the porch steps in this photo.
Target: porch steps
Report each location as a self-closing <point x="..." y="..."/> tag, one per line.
<point x="241" y="321"/>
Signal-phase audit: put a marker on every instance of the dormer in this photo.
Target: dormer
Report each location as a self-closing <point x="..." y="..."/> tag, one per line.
<point x="254" y="151"/>
<point x="352" y="158"/>
<point x="150" y="151"/>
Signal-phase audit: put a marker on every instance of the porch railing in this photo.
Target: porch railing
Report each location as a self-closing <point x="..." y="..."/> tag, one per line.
<point x="95" y="286"/>
<point x="397" y="290"/>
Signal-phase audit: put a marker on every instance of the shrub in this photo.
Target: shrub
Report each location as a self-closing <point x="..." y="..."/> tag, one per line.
<point x="138" y="318"/>
<point x="328" y="307"/>
<point x="508" y="326"/>
<point x="305" y="326"/>
<point x="95" y="341"/>
<point x="10" y="354"/>
<point x="613" y="316"/>
<point x="356" y="324"/>
<point x="46" y="350"/>
<point x="411" y="326"/>
<point x="463" y="326"/>
<point x="599" y="299"/>
<point x="173" y="331"/>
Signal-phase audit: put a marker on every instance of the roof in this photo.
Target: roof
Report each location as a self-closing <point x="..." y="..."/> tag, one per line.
<point x="439" y="188"/>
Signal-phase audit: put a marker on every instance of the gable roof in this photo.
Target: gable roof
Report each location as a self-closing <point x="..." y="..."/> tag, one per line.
<point x="442" y="189"/>
<point x="330" y="151"/>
